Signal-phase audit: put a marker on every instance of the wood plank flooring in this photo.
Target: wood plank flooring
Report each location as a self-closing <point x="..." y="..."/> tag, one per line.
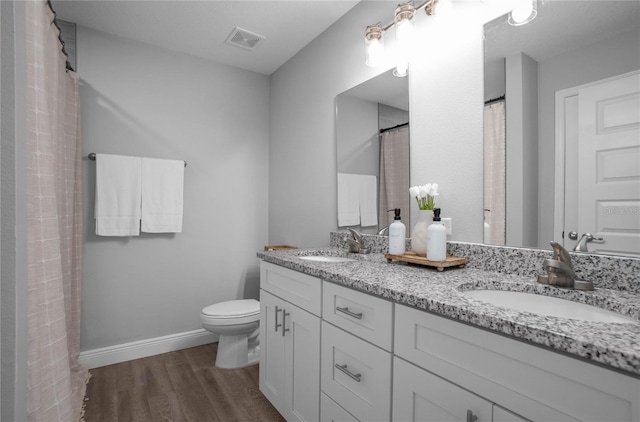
<point x="177" y="386"/>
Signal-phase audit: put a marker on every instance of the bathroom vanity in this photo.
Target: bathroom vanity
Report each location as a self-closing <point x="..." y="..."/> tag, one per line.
<point x="347" y="337"/>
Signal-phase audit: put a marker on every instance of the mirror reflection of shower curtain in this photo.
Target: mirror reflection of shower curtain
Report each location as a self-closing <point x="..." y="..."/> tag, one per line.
<point x="495" y="173"/>
<point x="394" y="175"/>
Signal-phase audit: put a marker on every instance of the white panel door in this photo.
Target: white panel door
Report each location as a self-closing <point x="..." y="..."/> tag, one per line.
<point x="609" y="165"/>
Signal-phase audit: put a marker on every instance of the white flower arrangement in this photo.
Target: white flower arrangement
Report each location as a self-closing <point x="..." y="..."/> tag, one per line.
<point x="425" y="195"/>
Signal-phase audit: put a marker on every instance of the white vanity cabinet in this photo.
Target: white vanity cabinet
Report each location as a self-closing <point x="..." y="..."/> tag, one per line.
<point x="356" y="355"/>
<point x="498" y="377"/>
<point x="290" y="341"/>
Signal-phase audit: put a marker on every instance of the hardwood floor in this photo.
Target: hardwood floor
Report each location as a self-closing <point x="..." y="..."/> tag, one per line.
<point x="177" y="386"/>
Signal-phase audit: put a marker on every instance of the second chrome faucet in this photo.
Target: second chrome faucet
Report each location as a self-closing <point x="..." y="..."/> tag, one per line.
<point x="559" y="271"/>
<point x="355" y="242"/>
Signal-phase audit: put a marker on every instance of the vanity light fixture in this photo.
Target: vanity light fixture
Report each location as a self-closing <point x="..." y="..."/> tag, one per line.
<point x="404" y="36"/>
<point x="374" y="45"/>
<point x="524" y="12"/>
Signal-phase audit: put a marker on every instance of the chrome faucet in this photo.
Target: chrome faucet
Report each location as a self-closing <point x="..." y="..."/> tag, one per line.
<point x="384" y="231"/>
<point x="560" y="271"/>
<point x="581" y="246"/>
<point x="356" y="244"/>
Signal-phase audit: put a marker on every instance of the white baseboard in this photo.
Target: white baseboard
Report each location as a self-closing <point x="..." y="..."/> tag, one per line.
<point x="139" y="349"/>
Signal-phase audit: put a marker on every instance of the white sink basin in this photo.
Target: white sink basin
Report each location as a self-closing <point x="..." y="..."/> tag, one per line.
<point x="547" y="305"/>
<point x="326" y="258"/>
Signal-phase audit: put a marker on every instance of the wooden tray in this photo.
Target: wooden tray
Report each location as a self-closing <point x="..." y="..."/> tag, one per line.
<point x="278" y="247"/>
<point x="412" y="258"/>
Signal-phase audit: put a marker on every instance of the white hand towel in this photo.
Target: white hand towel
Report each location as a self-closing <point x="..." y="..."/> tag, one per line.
<point x="118" y="187"/>
<point x="162" y="195"/>
<point x="348" y="200"/>
<point x="368" y="200"/>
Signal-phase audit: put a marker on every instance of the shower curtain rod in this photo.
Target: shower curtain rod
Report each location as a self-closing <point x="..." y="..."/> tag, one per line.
<point x="494" y="100"/>
<point x="92" y="157"/>
<point x="394" y="127"/>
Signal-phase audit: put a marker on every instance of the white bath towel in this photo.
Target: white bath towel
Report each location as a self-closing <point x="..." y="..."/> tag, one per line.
<point x="118" y="188"/>
<point x="348" y="199"/>
<point x="368" y="200"/>
<point x="162" y="195"/>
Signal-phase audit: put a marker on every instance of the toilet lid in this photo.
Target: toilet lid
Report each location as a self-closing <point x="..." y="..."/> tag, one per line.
<point x="233" y="308"/>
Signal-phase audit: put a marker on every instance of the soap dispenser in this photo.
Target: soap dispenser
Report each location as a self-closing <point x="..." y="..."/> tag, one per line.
<point x="397" y="234"/>
<point x="436" y="238"/>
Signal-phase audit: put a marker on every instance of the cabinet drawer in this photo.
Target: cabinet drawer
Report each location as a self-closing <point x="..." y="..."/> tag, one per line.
<point x="331" y="412"/>
<point x="366" y="316"/>
<point x="355" y="374"/>
<point x="300" y="289"/>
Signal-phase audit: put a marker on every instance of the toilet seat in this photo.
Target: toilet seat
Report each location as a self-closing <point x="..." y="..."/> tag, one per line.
<point x="232" y="312"/>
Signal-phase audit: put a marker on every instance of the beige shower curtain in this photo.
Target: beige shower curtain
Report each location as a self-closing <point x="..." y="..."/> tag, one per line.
<point x="495" y="173"/>
<point x="394" y="175"/>
<point x="55" y="379"/>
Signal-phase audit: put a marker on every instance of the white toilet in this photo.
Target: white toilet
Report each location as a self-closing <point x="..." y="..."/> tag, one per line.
<point x="237" y="322"/>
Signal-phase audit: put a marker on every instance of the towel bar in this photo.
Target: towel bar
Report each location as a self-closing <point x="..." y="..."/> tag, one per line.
<point x="92" y="157"/>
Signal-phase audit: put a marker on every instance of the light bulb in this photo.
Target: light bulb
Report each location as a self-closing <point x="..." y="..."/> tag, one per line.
<point x="404" y="38"/>
<point x="402" y="68"/>
<point x="523" y="13"/>
<point x="375" y="50"/>
<point x="374" y="47"/>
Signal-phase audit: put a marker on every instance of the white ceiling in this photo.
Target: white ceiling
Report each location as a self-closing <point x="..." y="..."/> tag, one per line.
<point x="200" y="28"/>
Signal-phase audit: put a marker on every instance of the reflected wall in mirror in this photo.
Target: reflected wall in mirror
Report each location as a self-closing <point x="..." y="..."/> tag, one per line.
<point x="372" y="144"/>
<point x="562" y="150"/>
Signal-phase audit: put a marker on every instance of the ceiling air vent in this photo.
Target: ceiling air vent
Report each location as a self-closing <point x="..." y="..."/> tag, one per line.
<point x="244" y="39"/>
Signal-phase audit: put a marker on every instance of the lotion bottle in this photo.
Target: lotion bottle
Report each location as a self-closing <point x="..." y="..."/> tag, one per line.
<point x="397" y="234"/>
<point x="436" y="238"/>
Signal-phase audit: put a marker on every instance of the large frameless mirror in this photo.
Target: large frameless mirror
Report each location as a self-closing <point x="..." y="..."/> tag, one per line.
<point x="372" y="143"/>
<point x="561" y="128"/>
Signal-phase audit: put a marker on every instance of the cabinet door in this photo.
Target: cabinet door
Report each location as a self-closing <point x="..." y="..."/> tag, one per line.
<point x="272" y="351"/>
<point x="289" y="358"/>
<point x="419" y="395"/>
<point x="302" y="364"/>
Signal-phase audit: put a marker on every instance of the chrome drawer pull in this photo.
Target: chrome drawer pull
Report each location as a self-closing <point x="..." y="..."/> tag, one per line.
<point x="276" y="313"/>
<point x="348" y="312"/>
<point x="350" y="374"/>
<point x="284" y="317"/>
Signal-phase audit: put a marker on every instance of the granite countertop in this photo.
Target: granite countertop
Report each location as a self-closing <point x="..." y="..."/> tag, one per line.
<point x="614" y="345"/>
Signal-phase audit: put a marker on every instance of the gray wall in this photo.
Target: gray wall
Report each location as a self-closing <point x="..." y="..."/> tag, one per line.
<point x="146" y="101"/>
<point x="13" y="232"/>
<point x="521" y="150"/>
<point x="68" y="36"/>
<point x="358" y="144"/>
<point x="302" y="146"/>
